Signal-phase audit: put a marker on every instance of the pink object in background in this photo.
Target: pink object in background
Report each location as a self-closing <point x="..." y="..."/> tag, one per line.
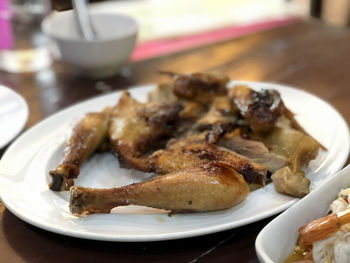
<point x="162" y="47"/>
<point x="6" y="39"/>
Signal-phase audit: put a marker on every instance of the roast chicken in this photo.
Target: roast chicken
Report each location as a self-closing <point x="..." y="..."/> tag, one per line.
<point x="206" y="143"/>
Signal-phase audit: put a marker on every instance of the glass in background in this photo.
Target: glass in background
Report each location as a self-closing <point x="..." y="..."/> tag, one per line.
<point x="23" y="46"/>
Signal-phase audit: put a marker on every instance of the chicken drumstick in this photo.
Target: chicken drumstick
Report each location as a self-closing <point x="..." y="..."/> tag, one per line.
<point x="206" y="187"/>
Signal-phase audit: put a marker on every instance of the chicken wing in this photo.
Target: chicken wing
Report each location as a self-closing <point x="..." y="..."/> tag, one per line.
<point x="207" y="187"/>
<point x="87" y="136"/>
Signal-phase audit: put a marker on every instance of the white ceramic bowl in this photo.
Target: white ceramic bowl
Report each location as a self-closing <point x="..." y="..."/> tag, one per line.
<point x="276" y="241"/>
<point x="116" y="35"/>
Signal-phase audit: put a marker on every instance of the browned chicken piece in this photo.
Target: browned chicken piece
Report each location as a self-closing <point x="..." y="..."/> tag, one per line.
<point x="163" y="93"/>
<point x="291" y="183"/>
<point x="219" y="119"/>
<point x="195" y="114"/>
<point x="299" y="149"/>
<point x="224" y="105"/>
<point x="188" y="116"/>
<point x="220" y="112"/>
<point x="260" y="109"/>
<point x="252" y="149"/>
<point x="207" y="187"/>
<point x="188" y="152"/>
<point x="234" y="141"/>
<point x="137" y="128"/>
<point x="218" y="130"/>
<point x="88" y="135"/>
<point x="191" y="110"/>
<point x="201" y="87"/>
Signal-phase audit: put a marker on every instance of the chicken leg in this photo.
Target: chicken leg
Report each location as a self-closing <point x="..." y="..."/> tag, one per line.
<point x="87" y="136"/>
<point x="206" y="187"/>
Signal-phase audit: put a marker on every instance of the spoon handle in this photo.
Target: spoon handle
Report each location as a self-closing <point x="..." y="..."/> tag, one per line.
<point x="83" y="19"/>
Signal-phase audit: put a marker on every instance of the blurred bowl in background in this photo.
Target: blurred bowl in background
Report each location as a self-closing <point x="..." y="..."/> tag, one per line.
<point x="116" y="36"/>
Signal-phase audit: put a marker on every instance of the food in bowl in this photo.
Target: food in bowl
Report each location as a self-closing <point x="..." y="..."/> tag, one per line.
<point x="208" y="145"/>
<point x="326" y="239"/>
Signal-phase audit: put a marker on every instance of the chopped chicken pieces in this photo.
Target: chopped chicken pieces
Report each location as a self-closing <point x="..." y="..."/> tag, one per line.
<point x="206" y="142"/>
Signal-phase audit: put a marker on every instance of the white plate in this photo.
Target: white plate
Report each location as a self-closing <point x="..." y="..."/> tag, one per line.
<point x="13" y="115"/>
<point x="276" y="241"/>
<point x="25" y="166"/>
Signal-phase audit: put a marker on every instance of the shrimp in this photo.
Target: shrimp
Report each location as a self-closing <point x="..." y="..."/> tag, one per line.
<point x="323" y="228"/>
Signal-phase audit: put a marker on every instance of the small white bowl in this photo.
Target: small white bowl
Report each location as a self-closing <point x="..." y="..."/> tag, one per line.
<point x="116" y="36"/>
<point x="276" y="241"/>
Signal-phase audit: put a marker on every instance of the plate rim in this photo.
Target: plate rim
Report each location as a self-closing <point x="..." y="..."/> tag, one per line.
<point x="163" y="236"/>
<point x="25" y="119"/>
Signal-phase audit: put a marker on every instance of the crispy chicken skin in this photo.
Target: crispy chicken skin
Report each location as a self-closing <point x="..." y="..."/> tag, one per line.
<point x="191" y="151"/>
<point x="206" y="187"/>
<point x="88" y="135"/>
<point x="261" y="109"/>
<point x="137" y="128"/>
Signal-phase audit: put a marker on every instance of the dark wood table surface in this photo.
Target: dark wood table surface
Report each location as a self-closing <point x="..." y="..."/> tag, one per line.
<point x="308" y="55"/>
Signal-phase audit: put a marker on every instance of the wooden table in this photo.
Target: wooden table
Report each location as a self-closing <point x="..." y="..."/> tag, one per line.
<point x="308" y="55"/>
